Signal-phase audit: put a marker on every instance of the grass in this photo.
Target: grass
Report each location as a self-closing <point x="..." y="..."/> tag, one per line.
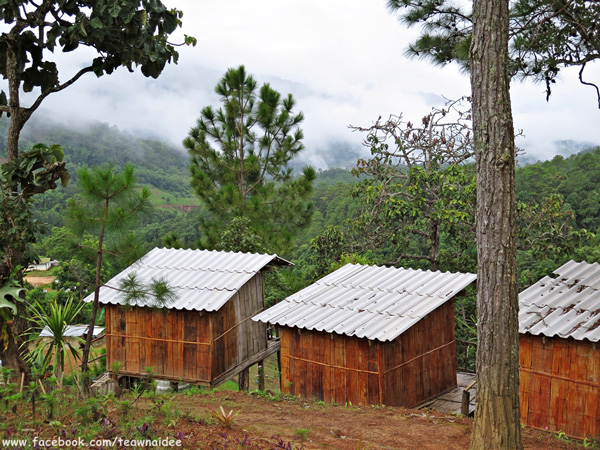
<point x="271" y="374"/>
<point x="163" y="198"/>
<point x="42" y="273"/>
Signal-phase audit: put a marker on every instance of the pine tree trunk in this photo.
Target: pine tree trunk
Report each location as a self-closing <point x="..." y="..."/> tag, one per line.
<point x="85" y="354"/>
<point x="497" y="419"/>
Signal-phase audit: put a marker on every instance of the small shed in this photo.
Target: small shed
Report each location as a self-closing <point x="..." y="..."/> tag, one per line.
<point x="42" y="265"/>
<point x="559" y="354"/>
<point x="205" y="336"/>
<point x="370" y="335"/>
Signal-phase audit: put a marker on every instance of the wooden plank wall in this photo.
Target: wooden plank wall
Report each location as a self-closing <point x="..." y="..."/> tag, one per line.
<point x="559" y="385"/>
<point x="421" y="363"/>
<point x="235" y="336"/>
<point x="418" y="365"/>
<point x="175" y="344"/>
<point x="329" y="367"/>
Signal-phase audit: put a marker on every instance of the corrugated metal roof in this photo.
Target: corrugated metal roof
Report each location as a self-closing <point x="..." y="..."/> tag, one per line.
<point x="202" y="280"/>
<point x="367" y="301"/>
<point x="567" y="305"/>
<point x="73" y="331"/>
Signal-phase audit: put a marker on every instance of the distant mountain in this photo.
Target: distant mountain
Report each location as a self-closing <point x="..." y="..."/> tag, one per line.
<point x="563" y="148"/>
<point x="157" y="164"/>
<point x="332" y="155"/>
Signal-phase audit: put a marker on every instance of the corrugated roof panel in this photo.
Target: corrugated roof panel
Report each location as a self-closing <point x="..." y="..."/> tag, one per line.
<point x="367" y="301"/>
<point x="73" y="331"/>
<point x="338" y="277"/>
<point x="202" y="280"/>
<point x="567" y="305"/>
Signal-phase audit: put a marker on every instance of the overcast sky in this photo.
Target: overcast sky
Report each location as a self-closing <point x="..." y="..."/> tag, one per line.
<point x="342" y="60"/>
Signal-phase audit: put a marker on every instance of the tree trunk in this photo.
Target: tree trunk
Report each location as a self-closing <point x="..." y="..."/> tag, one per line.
<point x="12" y="348"/>
<point x="497" y="418"/>
<point x="85" y="354"/>
<point x="10" y="355"/>
<point x="435" y="246"/>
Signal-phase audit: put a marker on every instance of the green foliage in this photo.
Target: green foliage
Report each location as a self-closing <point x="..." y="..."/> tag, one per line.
<point x="107" y="200"/>
<point x="547" y="229"/>
<point x="419" y="196"/>
<point x="10" y="292"/>
<point x="239" y="163"/>
<point x="55" y="319"/>
<point x="326" y="250"/>
<point x="302" y="433"/>
<point x="138" y="34"/>
<point x="37" y="170"/>
<point x="108" y="203"/>
<point x="31" y="173"/>
<point x="225" y="419"/>
<point x="157" y="291"/>
<point x="545" y="36"/>
<point x="576" y="178"/>
<point x="239" y="237"/>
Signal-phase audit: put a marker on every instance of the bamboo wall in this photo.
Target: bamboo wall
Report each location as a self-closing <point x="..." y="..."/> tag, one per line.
<point x="341" y="369"/>
<point x="236" y="337"/>
<point x="421" y="363"/>
<point x="330" y="367"/>
<point x="183" y="345"/>
<point x="176" y="344"/>
<point x="560" y="385"/>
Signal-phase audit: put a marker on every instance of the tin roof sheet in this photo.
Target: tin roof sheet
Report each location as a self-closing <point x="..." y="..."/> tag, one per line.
<point x="373" y="302"/>
<point x="73" y="331"/>
<point x="202" y="280"/>
<point x="564" y="305"/>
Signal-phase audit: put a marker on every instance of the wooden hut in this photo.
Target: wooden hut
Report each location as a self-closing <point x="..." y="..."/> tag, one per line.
<point x="370" y="335"/>
<point x="559" y="354"/>
<point x="204" y="336"/>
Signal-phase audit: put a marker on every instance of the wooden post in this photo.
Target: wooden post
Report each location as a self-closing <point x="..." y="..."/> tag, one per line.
<point x="466" y="399"/>
<point x="244" y="380"/>
<point x="279" y="362"/>
<point x="261" y="375"/>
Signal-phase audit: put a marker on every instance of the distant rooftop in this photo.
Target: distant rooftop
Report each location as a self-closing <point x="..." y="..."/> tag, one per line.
<point x="372" y="302"/>
<point x="566" y="305"/>
<point x="73" y="331"/>
<point x="202" y="280"/>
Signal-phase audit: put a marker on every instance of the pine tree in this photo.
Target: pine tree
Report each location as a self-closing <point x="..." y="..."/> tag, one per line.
<point x="108" y="203"/>
<point x="239" y="163"/>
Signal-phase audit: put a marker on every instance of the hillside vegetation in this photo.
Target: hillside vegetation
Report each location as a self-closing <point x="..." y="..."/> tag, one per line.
<point x="559" y="204"/>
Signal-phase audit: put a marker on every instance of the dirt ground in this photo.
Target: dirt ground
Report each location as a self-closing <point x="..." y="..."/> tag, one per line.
<point x="314" y="425"/>
<point x="40" y="281"/>
<point x="263" y="423"/>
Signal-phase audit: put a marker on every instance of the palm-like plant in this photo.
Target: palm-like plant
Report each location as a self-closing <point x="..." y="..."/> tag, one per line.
<point x="56" y="319"/>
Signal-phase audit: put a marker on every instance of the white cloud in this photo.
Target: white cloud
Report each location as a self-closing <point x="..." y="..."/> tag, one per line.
<point x="342" y="60"/>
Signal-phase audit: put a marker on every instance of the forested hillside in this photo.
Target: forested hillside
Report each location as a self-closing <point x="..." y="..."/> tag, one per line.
<point x="559" y="204"/>
<point x="576" y="178"/>
<point x="159" y="166"/>
<point x="337" y="197"/>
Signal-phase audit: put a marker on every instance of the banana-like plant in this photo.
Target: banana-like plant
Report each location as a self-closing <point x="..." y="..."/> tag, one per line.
<point x="55" y="319"/>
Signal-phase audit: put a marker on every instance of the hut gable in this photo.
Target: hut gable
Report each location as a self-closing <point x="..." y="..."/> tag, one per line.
<point x="559" y="358"/>
<point x="370" y="335"/>
<point x="376" y="303"/>
<point x="202" y="280"/>
<point x="205" y="336"/>
<point x="566" y="305"/>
